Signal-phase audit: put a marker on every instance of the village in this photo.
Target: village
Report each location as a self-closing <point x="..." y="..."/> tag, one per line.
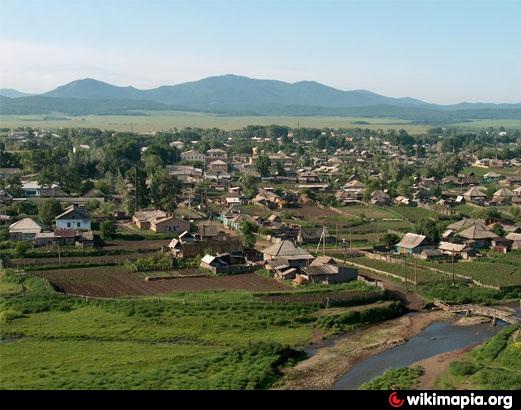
<point x="298" y="235"/>
<point x="233" y="213"/>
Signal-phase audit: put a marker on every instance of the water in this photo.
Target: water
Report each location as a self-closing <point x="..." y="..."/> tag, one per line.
<point x="439" y="337"/>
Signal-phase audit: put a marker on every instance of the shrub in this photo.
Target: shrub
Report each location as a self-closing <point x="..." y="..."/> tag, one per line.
<point x="463" y="368"/>
<point x="160" y="261"/>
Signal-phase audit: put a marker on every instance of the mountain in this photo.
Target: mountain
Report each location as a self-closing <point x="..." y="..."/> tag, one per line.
<point x="238" y="95"/>
<point x="9" y="92"/>
<point x="232" y="89"/>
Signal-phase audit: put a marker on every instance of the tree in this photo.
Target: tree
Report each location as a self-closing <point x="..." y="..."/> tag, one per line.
<point x="248" y="230"/>
<point x="280" y="168"/>
<point x="263" y="165"/>
<point x="163" y="190"/>
<point x="498" y="230"/>
<point x="389" y="239"/>
<point x="107" y="229"/>
<point x="248" y="184"/>
<point x="429" y="228"/>
<point x="21" y="248"/>
<point x="48" y="210"/>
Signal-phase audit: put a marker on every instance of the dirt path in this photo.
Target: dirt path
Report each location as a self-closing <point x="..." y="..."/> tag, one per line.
<point x="322" y="370"/>
<point x="435" y="366"/>
<point x="411" y="299"/>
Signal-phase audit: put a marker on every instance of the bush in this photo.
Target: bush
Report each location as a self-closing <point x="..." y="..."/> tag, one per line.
<point x="403" y="378"/>
<point x="371" y="315"/>
<point x="463" y="368"/>
<point x="156" y="262"/>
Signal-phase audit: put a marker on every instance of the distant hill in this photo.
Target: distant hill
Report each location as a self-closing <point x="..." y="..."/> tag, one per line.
<point x="9" y="92"/>
<point x="237" y="95"/>
<point x="232" y="89"/>
<point x="80" y="106"/>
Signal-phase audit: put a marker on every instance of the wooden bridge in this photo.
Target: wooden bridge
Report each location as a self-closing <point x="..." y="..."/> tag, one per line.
<point x="480" y="311"/>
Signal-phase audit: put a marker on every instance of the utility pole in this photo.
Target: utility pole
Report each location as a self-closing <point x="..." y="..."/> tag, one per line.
<point x="416" y="272"/>
<point x="135" y="190"/>
<point x="453" y="275"/>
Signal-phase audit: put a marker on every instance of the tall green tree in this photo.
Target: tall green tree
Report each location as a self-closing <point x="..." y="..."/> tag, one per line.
<point x="263" y="165"/>
<point x="48" y="209"/>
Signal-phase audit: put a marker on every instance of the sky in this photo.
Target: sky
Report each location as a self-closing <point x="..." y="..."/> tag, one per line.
<point x="442" y="51"/>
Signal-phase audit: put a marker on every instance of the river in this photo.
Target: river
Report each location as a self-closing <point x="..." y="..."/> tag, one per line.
<point x="439" y="337"/>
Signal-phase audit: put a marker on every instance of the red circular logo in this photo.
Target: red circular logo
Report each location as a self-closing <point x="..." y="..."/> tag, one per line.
<point x="395" y="401"/>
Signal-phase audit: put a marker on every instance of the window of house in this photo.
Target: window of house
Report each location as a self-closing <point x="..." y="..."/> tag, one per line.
<point x="68" y="224"/>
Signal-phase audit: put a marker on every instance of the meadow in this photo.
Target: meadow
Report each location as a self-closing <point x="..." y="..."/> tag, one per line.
<point x="190" y="340"/>
<point x="155" y="121"/>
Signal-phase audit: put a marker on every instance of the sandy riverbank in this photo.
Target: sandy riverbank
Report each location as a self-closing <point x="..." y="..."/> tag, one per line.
<point x="323" y="369"/>
<point x="435" y="366"/>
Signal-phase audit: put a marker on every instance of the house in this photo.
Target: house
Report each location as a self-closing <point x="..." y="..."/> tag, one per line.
<point x="169" y="224"/>
<point x="24" y="230"/>
<point x="431" y="254"/>
<point x="44" y="239"/>
<point x="515" y="238"/>
<point x="218" y="167"/>
<point x="216" y="153"/>
<point x="142" y="219"/>
<point x="188" y="245"/>
<point x="477" y="236"/>
<point x="402" y="200"/>
<point x="328" y="273"/>
<point x="5" y="197"/>
<point x="193" y="155"/>
<point x="474" y="195"/>
<point x="379" y="197"/>
<point x="269" y="199"/>
<point x="32" y="189"/>
<point x="460" y="250"/>
<point x="286" y="249"/>
<point x="466" y="223"/>
<point x="74" y="217"/>
<point x="501" y="245"/>
<point x="225" y="263"/>
<point x="502" y="195"/>
<point x="413" y="243"/>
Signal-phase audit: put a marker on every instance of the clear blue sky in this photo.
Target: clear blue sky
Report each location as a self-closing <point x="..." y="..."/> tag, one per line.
<point x="440" y="51"/>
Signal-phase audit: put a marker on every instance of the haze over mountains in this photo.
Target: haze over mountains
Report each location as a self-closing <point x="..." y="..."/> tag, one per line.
<point x="237" y="95"/>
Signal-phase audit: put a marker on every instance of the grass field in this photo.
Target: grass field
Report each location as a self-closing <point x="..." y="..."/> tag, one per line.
<point x="511" y="124"/>
<point x="197" y="340"/>
<point x="168" y="120"/>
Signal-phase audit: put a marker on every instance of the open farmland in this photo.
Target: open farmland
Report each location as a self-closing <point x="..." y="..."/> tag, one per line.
<point x="168" y="120"/>
<point x="498" y="270"/>
<point x="71" y="260"/>
<point x="119" y="281"/>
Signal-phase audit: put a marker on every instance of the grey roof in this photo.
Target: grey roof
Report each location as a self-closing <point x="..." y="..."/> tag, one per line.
<point x="474" y="192"/>
<point x="26" y="225"/>
<point x="319" y="270"/>
<point x="287" y="249"/>
<point x="466" y="223"/>
<point x="74" y="209"/>
<point x="411" y="241"/>
<point x="477" y="232"/>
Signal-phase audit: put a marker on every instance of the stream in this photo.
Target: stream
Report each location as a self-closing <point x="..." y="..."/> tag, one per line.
<point x="439" y="337"/>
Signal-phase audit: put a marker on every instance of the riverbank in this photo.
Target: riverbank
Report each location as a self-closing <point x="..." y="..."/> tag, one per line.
<point x="329" y="363"/>
<point x="435" y="366"/>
